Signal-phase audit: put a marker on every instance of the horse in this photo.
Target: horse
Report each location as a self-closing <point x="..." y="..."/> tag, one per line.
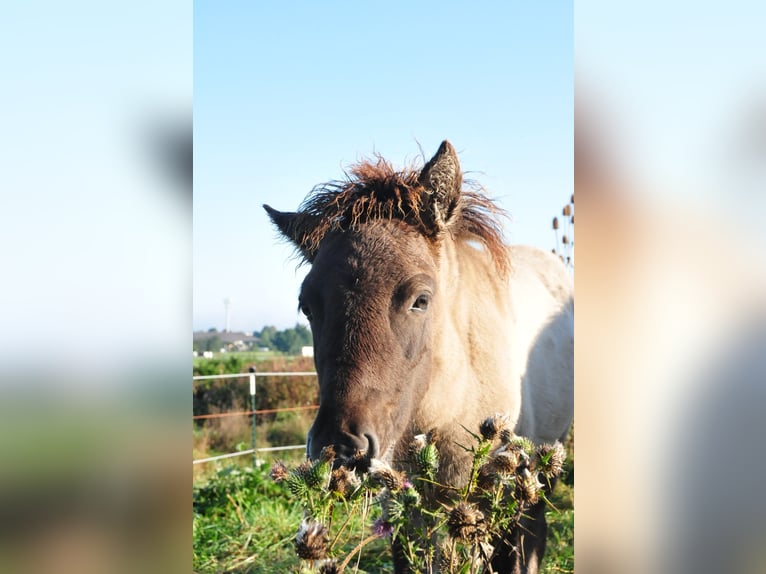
<point x="424" y="319"/>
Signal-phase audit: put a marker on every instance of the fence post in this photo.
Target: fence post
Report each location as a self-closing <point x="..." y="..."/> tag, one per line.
<point x="252" y="408"/>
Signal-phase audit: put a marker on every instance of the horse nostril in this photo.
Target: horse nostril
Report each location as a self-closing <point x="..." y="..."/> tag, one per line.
<point x="372" y="445"/>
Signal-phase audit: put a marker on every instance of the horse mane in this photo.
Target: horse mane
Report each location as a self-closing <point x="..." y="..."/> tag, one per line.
<point x="374" y="190"/>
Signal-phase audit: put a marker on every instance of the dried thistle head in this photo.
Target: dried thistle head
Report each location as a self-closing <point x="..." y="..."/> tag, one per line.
<point x="466" y="523"/>
<point x="491" y="427"/>
<point x="343" y="481"/>
<point x="279" y="471"/>
<point x="551" y="459"/>
<point x="486" y="477"/>
<point x="311" y="540"/>
<point x="329" y="567"/>
<point x="327" y="454"/>
<point x="506" y="461"/>
<point x="360" y="462"/>
<point x="449" y="560"/>
<point x="382" y="473"/>
<point x="527" y="486"/>
<point x="555" y="223"/>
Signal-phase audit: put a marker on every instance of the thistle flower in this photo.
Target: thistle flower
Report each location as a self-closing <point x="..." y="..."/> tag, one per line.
<point x="466" y="523"/>
<point x="555" y="223"/>
<point x="382" y="528"/>
<point x="384" y="474"/>
<point x="567" y="210"/>
<point x="279" y="471"/>
<point x="492" y="426"/>
<point x="343" y="481"/>
<point x="311" y="540"/>
<point x="527" y="486"/>
<point x="552" y="457"/>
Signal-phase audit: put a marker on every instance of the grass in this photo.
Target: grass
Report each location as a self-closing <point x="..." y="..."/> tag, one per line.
<point x="244" y="523"/>
<point x="244" y="356"/>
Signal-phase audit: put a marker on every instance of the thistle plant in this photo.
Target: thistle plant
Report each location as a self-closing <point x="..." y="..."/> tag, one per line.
<point x="434" y="527"/>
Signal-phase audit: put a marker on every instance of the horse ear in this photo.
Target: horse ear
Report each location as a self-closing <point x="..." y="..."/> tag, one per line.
<point x="442" y="179"/>
<point x="289" y="225"/>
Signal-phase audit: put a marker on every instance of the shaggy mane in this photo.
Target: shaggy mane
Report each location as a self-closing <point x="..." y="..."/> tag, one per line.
<point x="375" y="190"/>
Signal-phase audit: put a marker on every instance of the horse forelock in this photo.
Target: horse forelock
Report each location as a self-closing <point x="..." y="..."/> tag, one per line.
<point x="375" y="190"/>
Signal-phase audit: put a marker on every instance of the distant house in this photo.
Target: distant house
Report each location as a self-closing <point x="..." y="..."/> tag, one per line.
<point x="233" y="341"/>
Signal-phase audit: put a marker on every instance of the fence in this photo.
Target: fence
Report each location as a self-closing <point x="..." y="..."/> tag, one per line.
<point x="253" y="412"/>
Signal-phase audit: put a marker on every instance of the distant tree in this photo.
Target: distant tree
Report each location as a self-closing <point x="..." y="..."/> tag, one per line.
<point x="266" y="336"/>
<point x="304" y="335"/>
<point x="214" y="344"/>
<point x="212" y="330"/>
<point x="292" y="340"/>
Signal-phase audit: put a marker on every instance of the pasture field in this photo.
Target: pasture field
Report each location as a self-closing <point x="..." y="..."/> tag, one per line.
<point x="245" y="523"/>
<point x="243" y="356"/>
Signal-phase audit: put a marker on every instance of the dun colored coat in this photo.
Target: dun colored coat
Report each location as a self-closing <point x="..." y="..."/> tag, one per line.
<point x="424" y="319"/>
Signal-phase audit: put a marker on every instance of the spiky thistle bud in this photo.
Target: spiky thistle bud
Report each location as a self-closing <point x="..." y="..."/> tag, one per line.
<point x="385" y="475"/>
<point x="409" y="495"/>
<point x="555" y="223"/>
<point x="466" y="523"/>
<point x="551" y="457"/>
<point x="564" y="240"/>
<point x="519" y="444"/>
<point x="492" y="426"/>
<point x="567" y="211"/>
<point x="315" y="474"/>
<point x="296" y="480"/>
<point x="279" y="471"/>
<point x="311" y="540"/>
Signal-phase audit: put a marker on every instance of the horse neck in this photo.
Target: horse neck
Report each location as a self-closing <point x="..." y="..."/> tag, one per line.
<point x="469" y="337"/>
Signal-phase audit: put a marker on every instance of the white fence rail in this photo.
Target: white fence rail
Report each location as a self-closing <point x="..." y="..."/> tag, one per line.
<point x="251" y="378"/>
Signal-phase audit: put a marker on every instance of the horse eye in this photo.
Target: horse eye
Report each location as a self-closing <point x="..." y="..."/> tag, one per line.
<point x="421" y="303"/>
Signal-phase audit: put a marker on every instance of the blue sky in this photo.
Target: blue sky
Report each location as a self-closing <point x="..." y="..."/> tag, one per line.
<point x="286" y="95"/>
